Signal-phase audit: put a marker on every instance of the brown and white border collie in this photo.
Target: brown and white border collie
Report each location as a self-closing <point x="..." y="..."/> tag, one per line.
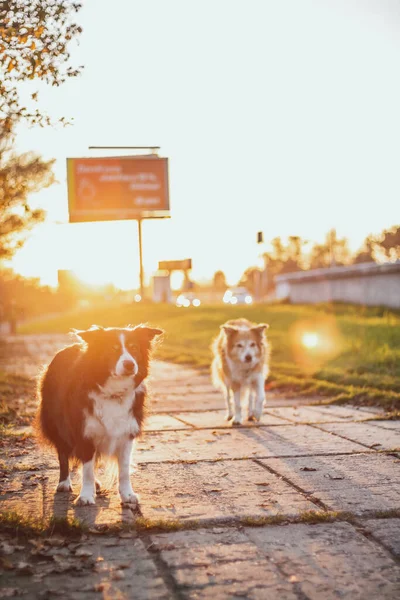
<point x="92" y="398"/>
<point x="240" y="366"/>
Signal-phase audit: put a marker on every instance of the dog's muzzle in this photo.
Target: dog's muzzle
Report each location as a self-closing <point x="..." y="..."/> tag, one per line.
<point x="129" y="367"/>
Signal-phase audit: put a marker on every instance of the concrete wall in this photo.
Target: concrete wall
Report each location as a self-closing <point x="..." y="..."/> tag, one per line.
<point x="367" y="283"/>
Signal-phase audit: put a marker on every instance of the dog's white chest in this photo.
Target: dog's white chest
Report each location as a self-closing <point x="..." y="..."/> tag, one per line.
<point x="241" y="373"/>
<point x="111" y="421"/>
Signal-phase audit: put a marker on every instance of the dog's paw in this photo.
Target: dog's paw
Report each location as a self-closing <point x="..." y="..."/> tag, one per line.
<point x="84" y="500"/>
<point x="237" y="421"/>
<point x="64" y="486"/>
<point x="257" y="415"/>
<point x="228" y="416"/>
<point x="98" y="485"/>
<point x="129" y="499"/>
<point x="251" y="417"/>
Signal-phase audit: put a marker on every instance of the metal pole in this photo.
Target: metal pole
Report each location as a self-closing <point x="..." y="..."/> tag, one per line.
<point x="141" y="273"/>
<point x="155" y="150"/>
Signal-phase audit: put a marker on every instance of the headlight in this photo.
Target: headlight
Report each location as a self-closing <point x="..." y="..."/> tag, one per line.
<point x="248" y="299"/>
<point x="196" y="302"/>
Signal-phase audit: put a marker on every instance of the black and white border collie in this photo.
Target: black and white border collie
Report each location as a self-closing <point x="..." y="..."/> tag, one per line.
<point x="92" y="398"/>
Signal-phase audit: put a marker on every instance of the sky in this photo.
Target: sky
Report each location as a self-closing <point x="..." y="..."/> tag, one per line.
<point x="276" y="116"/>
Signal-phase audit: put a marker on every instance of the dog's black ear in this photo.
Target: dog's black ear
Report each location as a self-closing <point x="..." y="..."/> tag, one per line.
<point x="87" y="334"/>
<point x="149" y="332"/>
<point x="260" y="328"/>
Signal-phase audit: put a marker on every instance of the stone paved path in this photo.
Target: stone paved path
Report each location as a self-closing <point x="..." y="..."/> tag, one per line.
<point x="304" y="505"/>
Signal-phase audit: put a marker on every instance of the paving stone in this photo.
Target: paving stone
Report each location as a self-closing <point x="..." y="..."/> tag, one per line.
<point x="255" y="579"/>
<point x="163" y="423"/>
<point x="387" y="531"/>
<point x="375" y="410"/>
<point x="240" y="442"/>
<point x="296" y="561"/>
<point x="221" y="564"/>
<point x="347" y="412"/>
<point x="217" y="419"/>
<point x="356" y="483"/>
<point x="166" y="371"/>
<point x="165" y="378"/>
<point x="107" y="510"/>
<point x="196" y="385"/>
<point x="203" y="546"/>
<point x="314" y="414"/>
<point x="29" y="457"/>
<point x="108" y="567"/>
<point x="171" y="491"/>
<point x="395" y="425"/>
<point x="278" y="399"/>
<point x="297" y="414"/>
<point x="186" y="539"/>
<point x="215" y="490"/>
<point x="367" y="434"/>
<point x="329" y="561"/>
<point x="198" y="445"/>
<point x="169" y="403"/>
<point x="292" y="440"/>
<point x="35" y="349"/>
<point x="34" y="495"/>
<point x="23" y="496"/>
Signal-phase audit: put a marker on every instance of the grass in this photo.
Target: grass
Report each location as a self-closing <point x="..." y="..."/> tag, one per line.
<point x="30" y="526"/>
<point x="158" y="525"/>
<point x="23" y="526"/>
<point x="165" y="525"/>
<point x="358" y="360"/>
<point x="310" y="517"/>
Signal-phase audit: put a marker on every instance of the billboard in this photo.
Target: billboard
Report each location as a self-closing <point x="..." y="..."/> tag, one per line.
<point x="175" y="265"/>
<point x="115" y="188"/>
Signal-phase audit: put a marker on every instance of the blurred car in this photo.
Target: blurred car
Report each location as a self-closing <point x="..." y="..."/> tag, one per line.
<point x="239" y="295"/>
<point x="188" y="299"/>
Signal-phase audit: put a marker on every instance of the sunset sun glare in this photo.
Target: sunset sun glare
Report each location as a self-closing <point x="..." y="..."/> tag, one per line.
<point x="310" y="340"/>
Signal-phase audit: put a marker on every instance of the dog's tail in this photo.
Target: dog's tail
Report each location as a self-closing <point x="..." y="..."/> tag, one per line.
<point x="216" y="366"/>
<point x="39" y="421"/>
<point x="216" y="375"/>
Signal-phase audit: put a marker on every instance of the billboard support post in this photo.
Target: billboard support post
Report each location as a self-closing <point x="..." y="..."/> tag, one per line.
<point x="141" y="272"/>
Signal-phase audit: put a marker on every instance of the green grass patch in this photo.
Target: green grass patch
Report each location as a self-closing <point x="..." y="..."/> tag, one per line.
<point x="28" y="527"/>
<point x="165" y="525"/>
<point x="12" y="521"/>
<point x="357" y="359"/>
<point x="308" y="516"/>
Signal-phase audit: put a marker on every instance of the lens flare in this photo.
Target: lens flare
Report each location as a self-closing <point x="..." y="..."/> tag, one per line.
<point x="315" y="342"/>
<point x="310" y="340"/>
